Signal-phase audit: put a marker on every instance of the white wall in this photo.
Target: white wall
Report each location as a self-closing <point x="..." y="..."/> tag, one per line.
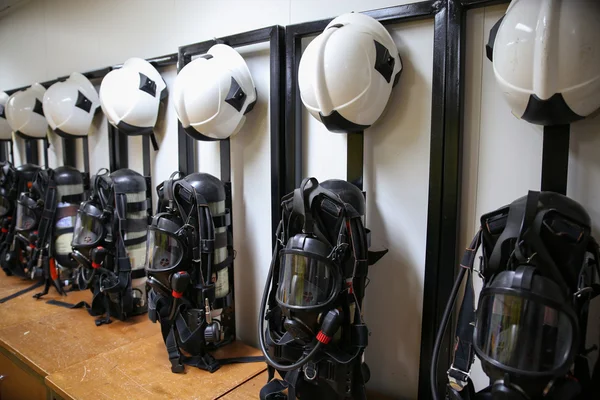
<point x="44" y="39"/>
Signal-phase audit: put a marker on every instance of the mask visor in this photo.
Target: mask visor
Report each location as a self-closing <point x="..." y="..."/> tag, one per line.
<point x="304" y="280"/>
<point x="163" y="251"/>
<point x="88" y="230"/>
<point x="522" y="334"/>
<point x="26" y="218"/>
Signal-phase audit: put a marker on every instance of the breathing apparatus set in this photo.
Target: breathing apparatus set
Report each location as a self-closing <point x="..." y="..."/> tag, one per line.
<point x="16" y="227"/>
<point x="539" y="265"/>
<point x="47" y="217"/>
<point x="311" y="327"/>
<point x="189" y="263"/>
<point x="109" y="244"/>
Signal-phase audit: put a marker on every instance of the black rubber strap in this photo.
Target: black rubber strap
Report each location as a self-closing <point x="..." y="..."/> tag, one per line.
<point x="138" y="206"/>
<point x="138" y="273"/>
<point x="68" y="211"/>
<point x="463" y="350"/>
<point x="81" y="304"/>
<point x="23" y="291"/>
<point x="222" y="220"/>
<point x="133" y="242"/>
<point x="72" y="198"/>
<point x="241" y="360"/>
<point x="134" y="225"/>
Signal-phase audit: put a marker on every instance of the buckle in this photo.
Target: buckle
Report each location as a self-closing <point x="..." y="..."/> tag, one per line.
<point x="457" y="379"/>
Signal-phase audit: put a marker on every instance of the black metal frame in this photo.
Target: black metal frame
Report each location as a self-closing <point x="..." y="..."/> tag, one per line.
<point x="554" y="176"/>
<point x="444" y="178"/>
<point x="274" y="35"/>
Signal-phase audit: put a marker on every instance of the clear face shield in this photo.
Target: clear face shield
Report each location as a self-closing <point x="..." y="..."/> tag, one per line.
<point x="88" y="231"/>
<point x="27" y="217"/>
<point x="305" y="280"/>
<point x="523" y="335"/>
<point x="163" y="251"/>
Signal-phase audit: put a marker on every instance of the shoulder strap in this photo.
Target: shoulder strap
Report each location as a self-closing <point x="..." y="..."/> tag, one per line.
<point x="458" y="374"/>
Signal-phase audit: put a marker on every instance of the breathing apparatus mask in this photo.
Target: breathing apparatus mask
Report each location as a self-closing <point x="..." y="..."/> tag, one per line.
<point x="540" y="270"/>
<point x="109" y="242"/>
<point x="310" y="323"/>
<point x="16" y="185"/>
<point x="189" y="263"/>
<point x="48" y="216"/>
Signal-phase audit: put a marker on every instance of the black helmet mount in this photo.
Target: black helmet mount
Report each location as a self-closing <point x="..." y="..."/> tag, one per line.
<point x="311" y="328"/>
<point x="539" y="268"/>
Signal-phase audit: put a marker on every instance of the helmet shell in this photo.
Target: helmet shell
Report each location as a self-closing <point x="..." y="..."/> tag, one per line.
<point x="5" y="129"/>
<point x="347" y="73"/>
<point x="130" y="96"/>
<point x="69" y="106"/>
<point x="546" y="59"/>
<point x="25" y="113"/>
<point x="213" y="93"/>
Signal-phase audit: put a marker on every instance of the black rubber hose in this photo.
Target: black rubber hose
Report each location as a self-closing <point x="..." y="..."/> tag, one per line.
<point x="440" y="334"/>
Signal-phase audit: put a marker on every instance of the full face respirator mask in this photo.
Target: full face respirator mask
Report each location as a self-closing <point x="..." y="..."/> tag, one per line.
<point x="539" y="267"/>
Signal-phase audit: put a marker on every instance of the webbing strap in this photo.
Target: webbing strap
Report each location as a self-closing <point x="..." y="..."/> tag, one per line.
<point x="240" y="360"/>
<point x="504" y="244"/>
<point x="81" y="304"/>
<point x="463" y="351"/>
<point x="274" y="389"/>
<point x="22" y="291"/>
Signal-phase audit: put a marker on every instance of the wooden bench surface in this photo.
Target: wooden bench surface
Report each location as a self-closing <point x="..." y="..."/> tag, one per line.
<point x="47" y="337"/>
<point x="141" y="370"/>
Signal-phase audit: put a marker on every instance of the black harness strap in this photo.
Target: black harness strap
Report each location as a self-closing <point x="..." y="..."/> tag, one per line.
<point x="464" y="354"/>
<point x="22" y="291"/>
<point x="81" y="304"/>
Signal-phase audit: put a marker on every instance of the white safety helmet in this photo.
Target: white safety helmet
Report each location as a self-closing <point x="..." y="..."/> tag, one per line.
<point x="213" y="93"/>
<point x="347" y="73"/>
<point x="69" y="106"/>
<point x="546" y="58"/>
<point x="130" y="97"/>
<point x="5" y="129"/>
<point x="25" y="113"/>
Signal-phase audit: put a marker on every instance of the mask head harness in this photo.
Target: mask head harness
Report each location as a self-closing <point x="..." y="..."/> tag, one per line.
<point x="189" y="266"/>
<point x="539" y="267"/>
<point x="14" y="249"/>
<point x="109" y="242"/>
<point x="311" y="328"/>
<point x="52" y="216"/>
